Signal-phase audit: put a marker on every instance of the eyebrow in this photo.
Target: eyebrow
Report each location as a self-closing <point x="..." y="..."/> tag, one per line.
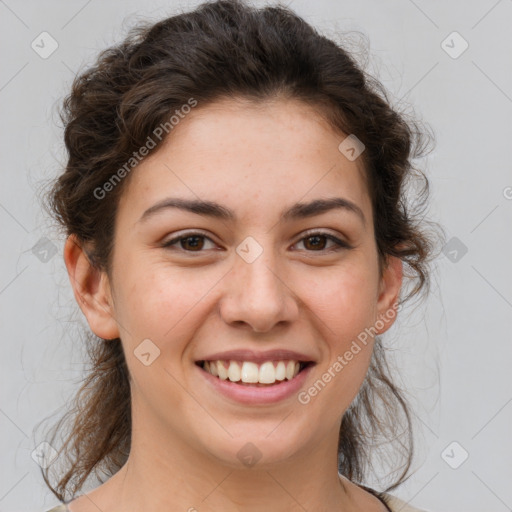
<point x="216" y="210"/>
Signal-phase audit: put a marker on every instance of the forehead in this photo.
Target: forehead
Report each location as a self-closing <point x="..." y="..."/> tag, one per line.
<point x="244" y="154"/>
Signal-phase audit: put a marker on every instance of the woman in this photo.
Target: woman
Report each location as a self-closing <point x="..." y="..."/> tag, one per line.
<point x="237" y="231"/>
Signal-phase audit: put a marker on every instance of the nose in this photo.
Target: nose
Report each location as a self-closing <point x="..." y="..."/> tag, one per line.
<point x="258" y="295"/>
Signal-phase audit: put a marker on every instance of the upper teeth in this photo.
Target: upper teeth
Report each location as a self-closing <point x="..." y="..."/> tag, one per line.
<point x="249" y="372"/>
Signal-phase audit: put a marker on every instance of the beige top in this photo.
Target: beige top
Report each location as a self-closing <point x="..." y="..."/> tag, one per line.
<point x="398" y="505"/>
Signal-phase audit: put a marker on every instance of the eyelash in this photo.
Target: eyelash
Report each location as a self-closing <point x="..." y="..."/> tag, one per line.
<point x="340" y="244"/>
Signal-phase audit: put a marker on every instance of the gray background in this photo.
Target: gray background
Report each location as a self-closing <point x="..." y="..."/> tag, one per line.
<point x="453" y="351"/>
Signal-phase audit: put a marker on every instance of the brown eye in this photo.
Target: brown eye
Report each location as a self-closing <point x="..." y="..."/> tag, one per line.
<point x="194" y="242"/>
<point x="317" y="242"/>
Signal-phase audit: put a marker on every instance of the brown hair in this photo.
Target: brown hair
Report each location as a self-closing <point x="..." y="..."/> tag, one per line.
<point x="226" y="49"/>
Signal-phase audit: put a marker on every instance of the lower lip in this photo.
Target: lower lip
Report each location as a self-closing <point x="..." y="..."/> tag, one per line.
<point x="257" y="394"/>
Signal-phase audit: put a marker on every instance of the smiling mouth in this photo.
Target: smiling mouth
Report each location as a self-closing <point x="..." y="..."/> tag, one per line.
<point x="248" y="373"/>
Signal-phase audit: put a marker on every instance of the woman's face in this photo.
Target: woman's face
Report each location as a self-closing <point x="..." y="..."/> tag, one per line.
<point x="255" y="278"/>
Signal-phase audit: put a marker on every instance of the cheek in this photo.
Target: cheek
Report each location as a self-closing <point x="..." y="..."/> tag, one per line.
<point x="343" y="306"/>
<point x="167" y="310"/>
<point x="345" y="300"/>
<point x="159" y="302"/>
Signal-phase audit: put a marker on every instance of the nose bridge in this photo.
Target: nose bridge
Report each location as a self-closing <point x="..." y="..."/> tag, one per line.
<point x="261" y="275"/>
<point x="257" y="293"/>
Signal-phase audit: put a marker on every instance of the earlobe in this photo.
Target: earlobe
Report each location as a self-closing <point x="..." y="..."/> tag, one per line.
<point x="389" y="293"/>
<point x="91" y="288"/>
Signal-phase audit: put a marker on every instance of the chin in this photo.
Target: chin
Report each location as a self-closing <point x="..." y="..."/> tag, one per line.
<point x="259" y="451"/>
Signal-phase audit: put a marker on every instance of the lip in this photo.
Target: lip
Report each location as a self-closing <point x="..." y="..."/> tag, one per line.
<point x="253" y="395"/>
<point x="258" y="357"/>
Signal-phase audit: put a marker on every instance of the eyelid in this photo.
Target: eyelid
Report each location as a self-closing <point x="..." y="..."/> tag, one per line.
<point x="187" y="234"/>
<point x="319" y="231"/>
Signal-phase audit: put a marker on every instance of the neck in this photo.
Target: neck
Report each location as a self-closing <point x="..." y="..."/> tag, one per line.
<point x="175" y="476"/>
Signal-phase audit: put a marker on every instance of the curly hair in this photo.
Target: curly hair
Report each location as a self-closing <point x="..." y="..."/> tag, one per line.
<point x="227" y="49"/>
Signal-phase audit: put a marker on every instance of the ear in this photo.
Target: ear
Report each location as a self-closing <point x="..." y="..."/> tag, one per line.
<point x="389" y="292"/>
<point x="91" y="289"/>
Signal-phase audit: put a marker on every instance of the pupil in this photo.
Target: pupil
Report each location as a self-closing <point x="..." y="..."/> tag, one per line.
<point x="195" y="245"/>
<point x="316" y="238"/>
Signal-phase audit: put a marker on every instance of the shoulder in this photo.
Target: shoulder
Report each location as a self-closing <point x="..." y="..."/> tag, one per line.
<point x="59" y="508"/>
<point x="398" y="505"/>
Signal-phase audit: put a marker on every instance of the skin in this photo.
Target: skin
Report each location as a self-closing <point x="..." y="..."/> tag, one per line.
<point x="256" y="160"/>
